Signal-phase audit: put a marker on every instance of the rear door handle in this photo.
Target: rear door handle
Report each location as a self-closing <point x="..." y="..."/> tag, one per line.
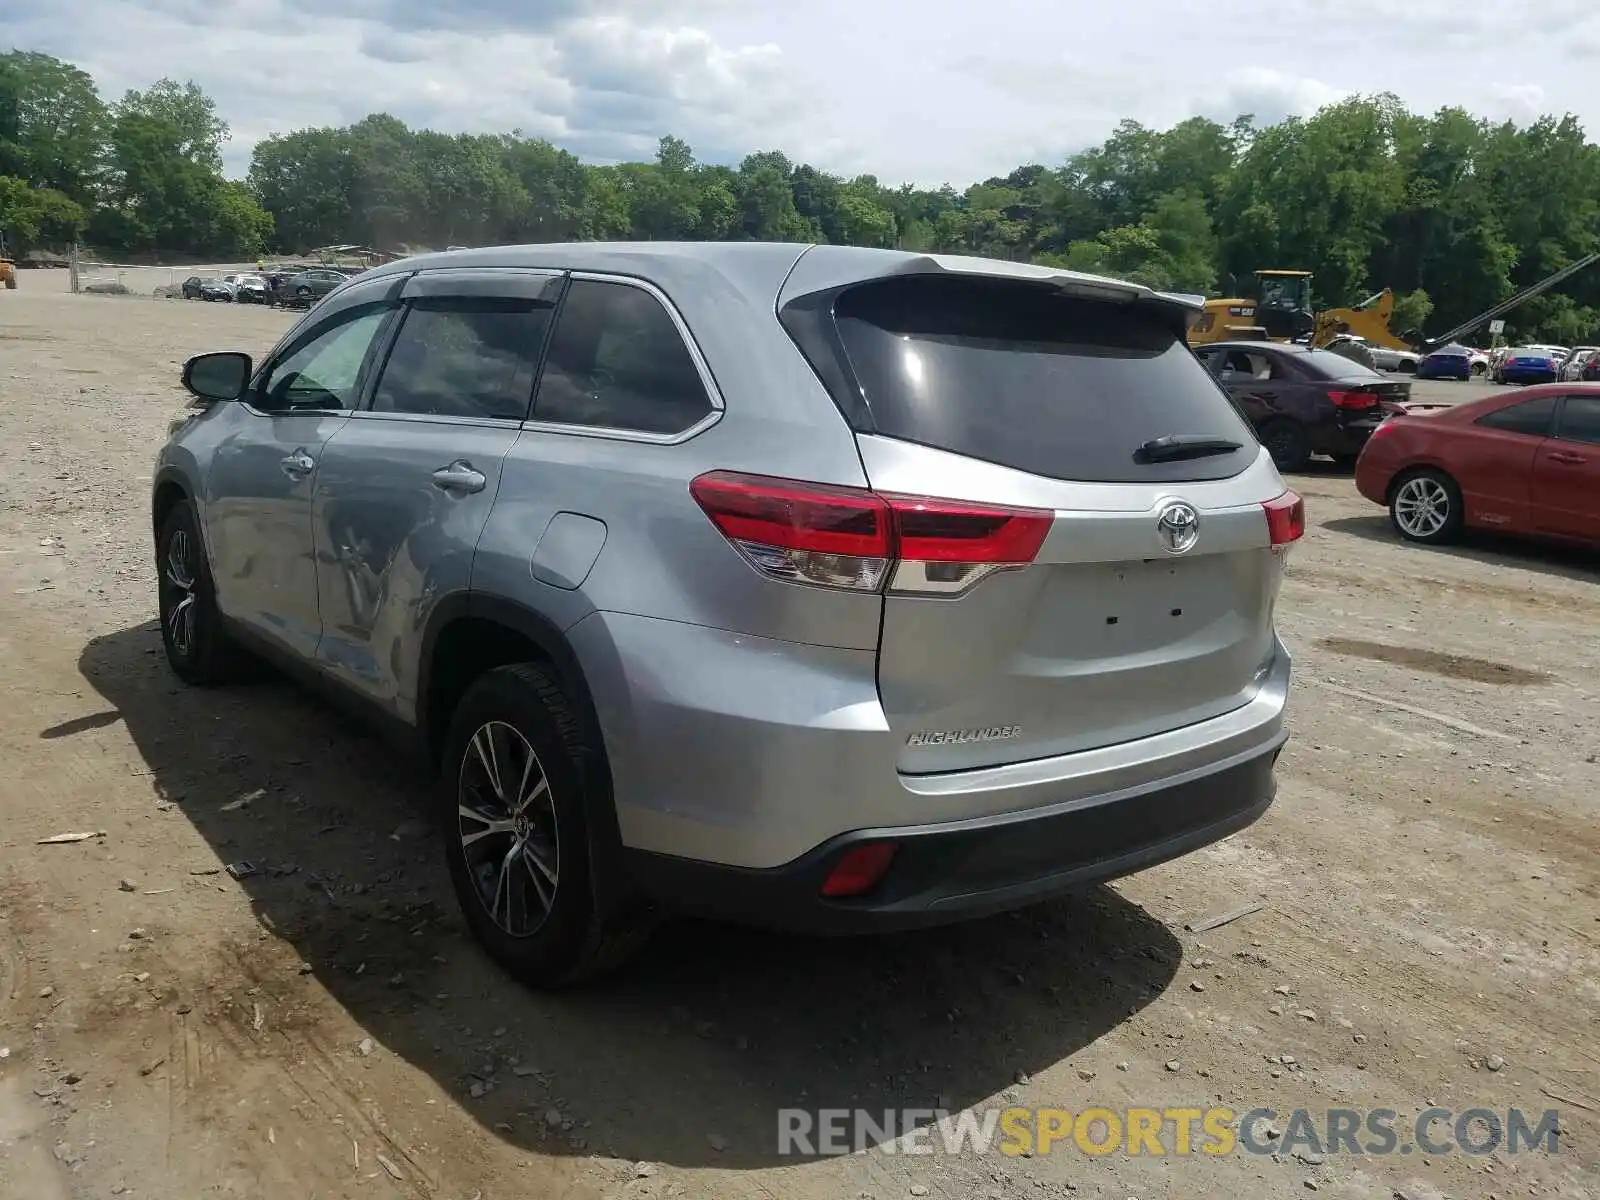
<point x="1566" y="456"/>
<point x="460" y="476"/>
<point x="298" y="465"/>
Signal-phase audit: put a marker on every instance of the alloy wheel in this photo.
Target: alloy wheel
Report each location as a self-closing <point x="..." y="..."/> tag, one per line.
<point x="1421" y="507"/>
<point x="506" y="821"/>
<point x="178" y="584"/>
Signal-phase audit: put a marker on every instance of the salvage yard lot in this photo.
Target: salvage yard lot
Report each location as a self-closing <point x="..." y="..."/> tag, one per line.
<point x="324" y="1026"/>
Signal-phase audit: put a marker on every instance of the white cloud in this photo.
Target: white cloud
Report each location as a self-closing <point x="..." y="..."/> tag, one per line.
<point x="922" y="90"/>
<point x="1269" y="95"/>
<point x="1521" y="102"/>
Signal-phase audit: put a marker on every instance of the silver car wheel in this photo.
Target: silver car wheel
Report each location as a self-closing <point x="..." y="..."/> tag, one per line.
<point x="506" y="820"/>
<point x="177" y="580"/>
<point x="1421" y="507"/>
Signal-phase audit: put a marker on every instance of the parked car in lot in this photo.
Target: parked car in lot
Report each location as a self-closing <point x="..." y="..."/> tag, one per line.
<point x="1447" y="362"/>
<point x="1384" y="358"/>
<point x="192" y="286"/>
<point x="217" y="289"/>
<point x="822" y="588"/>
<point x="1390" y="359"/>
<point x="1480" y="360"/>
<point x="1526" y="364"/>
<point x="251" y="289"/>
<point x="1572" y="371"/>
<point x="1301" y="401"/>
<point x="307" y="287"/>
<point x="1526" y="463"/>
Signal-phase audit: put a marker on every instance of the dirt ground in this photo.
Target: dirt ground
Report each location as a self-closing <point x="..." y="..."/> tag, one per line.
<point x="324" y="1028"/>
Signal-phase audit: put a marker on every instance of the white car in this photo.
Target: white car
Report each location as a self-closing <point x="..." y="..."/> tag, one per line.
<point x="1384" y="358"/>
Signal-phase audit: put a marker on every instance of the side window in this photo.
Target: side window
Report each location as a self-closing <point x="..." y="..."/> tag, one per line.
<point x="1580" y="420"/>
<point x="616" y="361"/>
<point x="461" y="356"/>
<point x="323" y="373"/>
<point x="1240" y="366"/>
<point x="1533" y="417"/>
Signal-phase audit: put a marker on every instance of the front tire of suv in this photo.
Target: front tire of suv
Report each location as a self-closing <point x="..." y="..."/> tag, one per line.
<point x="198" y="649"/>
<point x="514" y="805"/>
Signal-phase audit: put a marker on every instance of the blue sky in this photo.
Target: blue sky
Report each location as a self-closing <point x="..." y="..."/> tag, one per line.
<point x="926" y="91"/>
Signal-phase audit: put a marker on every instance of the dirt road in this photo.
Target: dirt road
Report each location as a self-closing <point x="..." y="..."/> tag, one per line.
<point x="322" y="1027"/>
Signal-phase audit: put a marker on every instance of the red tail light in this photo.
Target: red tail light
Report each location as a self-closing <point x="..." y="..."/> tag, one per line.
<point x="1286" y="519"/>
<point x="1384" y="429"/>
<point x="864" y="540"/>
<point x="1353" y="401"/>
<point x="860" y="869"/>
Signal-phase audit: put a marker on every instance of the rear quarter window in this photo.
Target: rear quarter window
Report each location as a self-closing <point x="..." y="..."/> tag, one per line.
<point x="1325" y="364"/>
<point x="1028" y="378"/>
<point x="1536" y="418"/>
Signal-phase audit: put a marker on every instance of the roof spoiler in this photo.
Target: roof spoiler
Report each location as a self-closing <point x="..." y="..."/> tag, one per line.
<point x="1185" y="305"/>
<point x="823" y="271"/>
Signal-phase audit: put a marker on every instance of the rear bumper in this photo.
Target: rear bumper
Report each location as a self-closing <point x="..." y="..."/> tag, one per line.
<point x="956" y="871"/>
<point x="734" y="751"/>
<point x="1344" y="437"/>
<point x="1519" y="375"/>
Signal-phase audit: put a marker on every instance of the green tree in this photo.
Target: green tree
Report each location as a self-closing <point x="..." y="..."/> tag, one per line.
<point x="52" y="123"/>
<point x="1411" y="311"/>
<point x="30" y="215"/>
<point x="163" y="190"/>
<point x="1452" y="212"/>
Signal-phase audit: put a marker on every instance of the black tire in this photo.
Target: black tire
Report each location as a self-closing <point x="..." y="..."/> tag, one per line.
<point x="1406" y="367"/>
<point x="302" y="292"/>
<point x="569" y="942"/>
<point x="1477" y="369"/>
<point x="1409" y="489"/>
<point x="1287" y="442"/>
<point x="198" y="649"/>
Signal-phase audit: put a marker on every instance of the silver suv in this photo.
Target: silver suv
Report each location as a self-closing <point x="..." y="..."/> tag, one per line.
<point x="827" y="588"/>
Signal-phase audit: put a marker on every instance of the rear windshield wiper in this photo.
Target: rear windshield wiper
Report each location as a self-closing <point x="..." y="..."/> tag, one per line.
<point x="1177" y="446"/>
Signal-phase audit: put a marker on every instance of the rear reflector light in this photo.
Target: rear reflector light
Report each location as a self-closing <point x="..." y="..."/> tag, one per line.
<point x="1356" y="401"/>
<point x="1286" y="519"/>
<point x="864" y="540"/>
<point x="859" y="870"/>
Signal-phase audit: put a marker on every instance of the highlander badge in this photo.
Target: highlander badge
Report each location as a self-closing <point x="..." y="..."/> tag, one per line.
<point x="961" y="737"/>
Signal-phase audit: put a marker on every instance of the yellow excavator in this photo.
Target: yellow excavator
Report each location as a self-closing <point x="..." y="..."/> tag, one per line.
<point x="1281" y="311"/>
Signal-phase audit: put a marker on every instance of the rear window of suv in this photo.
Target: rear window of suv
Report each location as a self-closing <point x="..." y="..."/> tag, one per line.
<point x="1028" y="378"/>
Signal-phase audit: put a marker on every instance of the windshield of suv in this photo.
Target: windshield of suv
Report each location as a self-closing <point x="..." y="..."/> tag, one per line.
<point x="1027" y="377"/>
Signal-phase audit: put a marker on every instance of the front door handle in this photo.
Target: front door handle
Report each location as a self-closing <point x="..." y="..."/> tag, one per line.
<point x="298" y="465"/>
<point x="460" y="476"/>
<point x="1566" y="456"/>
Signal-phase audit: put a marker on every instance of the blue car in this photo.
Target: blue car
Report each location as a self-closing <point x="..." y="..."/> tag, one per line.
<point x="1527" y="366"/>
<point x="1447" y="362"/>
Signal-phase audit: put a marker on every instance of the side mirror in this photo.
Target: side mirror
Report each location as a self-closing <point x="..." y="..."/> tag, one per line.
<point x="220" y="376"/>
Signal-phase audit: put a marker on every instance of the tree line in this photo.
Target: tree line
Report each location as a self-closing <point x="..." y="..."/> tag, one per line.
<point x="1452" y="211"/>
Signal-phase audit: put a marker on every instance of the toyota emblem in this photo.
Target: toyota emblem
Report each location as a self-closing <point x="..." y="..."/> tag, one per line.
<point x="1179" y="527"/>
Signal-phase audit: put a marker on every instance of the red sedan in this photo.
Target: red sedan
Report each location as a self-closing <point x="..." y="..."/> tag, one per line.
<point x="1525" y="462"/>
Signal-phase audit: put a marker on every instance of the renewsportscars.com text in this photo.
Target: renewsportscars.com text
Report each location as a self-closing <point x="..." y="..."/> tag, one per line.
<point x="1018" y="1131"/>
